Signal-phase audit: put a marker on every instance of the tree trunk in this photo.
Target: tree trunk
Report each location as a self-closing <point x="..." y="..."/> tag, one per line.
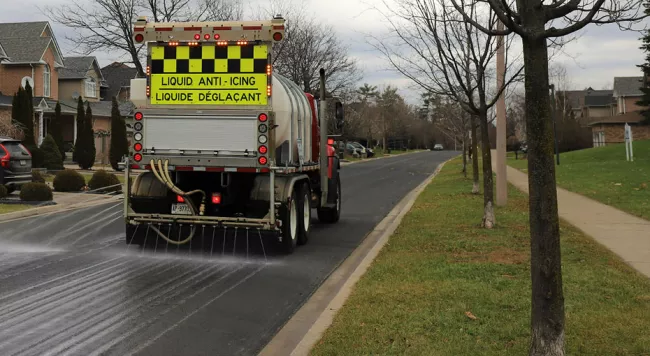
<point x="465" y="158"/>
<point x="488" y="182"/>
<point x="546" y="269"/>
<point x="475" y="186"/>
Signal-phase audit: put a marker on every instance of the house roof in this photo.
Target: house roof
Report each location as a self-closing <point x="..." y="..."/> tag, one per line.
<point x="598" y="97"/>
<point x="632" y="117"/>
<point x="574" y="97"/>
<point x="117" y="76"/>
<point x="26" y="42"/>
<point x="78" y="67"/>
<point x="628" y="86"/>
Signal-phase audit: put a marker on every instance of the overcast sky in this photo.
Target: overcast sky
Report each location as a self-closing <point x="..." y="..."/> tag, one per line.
<point x="594" y="60"/>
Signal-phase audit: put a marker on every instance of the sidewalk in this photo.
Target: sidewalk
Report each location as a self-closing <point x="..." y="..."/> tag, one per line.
<point x="64" y="202"/>
<point x="626" y="235"/>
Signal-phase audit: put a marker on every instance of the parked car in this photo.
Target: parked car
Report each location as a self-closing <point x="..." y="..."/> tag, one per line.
<point x="438" y="147"/>
<point x="15" y="164"/>
<point x="362" y="149"/>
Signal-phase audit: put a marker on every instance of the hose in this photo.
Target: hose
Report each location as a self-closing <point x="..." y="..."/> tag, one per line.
<point x="163" y="176"/>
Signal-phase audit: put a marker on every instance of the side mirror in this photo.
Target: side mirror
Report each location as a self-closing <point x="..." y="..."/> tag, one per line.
<point x="340" y="119"/>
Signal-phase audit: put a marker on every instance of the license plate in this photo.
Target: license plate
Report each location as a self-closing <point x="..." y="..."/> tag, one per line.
<point x="181" y="209"/>
<point x="23" y="162"/>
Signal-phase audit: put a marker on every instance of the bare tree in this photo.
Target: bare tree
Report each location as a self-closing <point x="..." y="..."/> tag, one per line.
<point x="309" y="45"/>
<point x="107" y="25"/>
<point x="536" y="22"/>
<point x="9" y="129"/>
<point x="436" y="49"/>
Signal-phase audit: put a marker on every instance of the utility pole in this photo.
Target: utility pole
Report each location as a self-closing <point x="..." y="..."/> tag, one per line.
<point x="502" y="179"/>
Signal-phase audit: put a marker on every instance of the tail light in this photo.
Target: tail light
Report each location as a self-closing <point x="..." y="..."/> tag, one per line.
<point x="263" y="150"/>
<point x="330" y="141"/>
<point x="138" y="147"/>
<point x="138" y="116"/>
<point x="180" y="199"/>
<point x="277" y="36"/>
<point x="263" y="117"/>
<point x="137" y="157"/>
<point x="263" y="161"/>
<point x="216" y="198"/>
<point x="6" y="157"/>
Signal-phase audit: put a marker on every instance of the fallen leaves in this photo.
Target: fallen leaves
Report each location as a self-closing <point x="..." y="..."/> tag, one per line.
<point x="470" y="315"/>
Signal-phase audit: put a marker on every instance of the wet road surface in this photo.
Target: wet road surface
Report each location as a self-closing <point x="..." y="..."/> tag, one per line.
<point x="70" y="286"/>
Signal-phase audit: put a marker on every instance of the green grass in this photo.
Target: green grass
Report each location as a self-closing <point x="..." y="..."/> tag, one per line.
<point x="604" y="175"/>
<point x="87" y="177"/>
<point x="12" y="208"/>
<point x="440" y="264"/>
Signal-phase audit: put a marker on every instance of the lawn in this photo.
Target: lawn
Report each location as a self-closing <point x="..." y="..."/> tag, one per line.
<point x="603" y="174"/>
<point x="87" y="177"/>
<point x="444" y="286"/>
<point x="12" y="208"/>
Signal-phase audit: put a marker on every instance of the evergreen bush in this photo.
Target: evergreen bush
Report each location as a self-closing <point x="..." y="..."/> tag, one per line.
<point x="103" y="179"/>
<point x="51" y="154"/>
<point x="35" y="192"/>
<point x="69" y="181"/>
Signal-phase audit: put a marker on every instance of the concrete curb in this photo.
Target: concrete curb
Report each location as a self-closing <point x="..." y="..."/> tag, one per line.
<point x="378" y="158"/>
<point x="307" y="326"/>
<point x="19" y="215"/>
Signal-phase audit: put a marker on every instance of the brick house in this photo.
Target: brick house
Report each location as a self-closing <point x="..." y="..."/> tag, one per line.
<point x="627" y="91"/>
<point x="118" y="81"/>
<point x="611" y="130"/>
<point x="29" y="52"/>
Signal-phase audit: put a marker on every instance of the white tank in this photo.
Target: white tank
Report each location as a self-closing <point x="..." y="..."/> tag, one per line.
<point x="290" y="105"/>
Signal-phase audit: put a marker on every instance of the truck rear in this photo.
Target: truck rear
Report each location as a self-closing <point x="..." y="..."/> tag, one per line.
<point x="225" y="143"/>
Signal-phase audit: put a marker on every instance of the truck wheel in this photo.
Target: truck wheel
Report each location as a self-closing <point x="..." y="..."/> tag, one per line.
<point x="305" y="215"/>
<point x="290" y="224"/>
<point x="332" y="215"/>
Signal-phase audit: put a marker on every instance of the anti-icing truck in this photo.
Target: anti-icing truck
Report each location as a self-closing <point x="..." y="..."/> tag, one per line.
<point x="226" y="145"/>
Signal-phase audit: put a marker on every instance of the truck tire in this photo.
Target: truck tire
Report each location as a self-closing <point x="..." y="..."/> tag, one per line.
<point x="332" y="215"/>
<point x="290" y="224"/>
<point x="304" y="212"/>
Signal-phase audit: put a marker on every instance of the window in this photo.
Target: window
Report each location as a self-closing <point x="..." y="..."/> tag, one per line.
<point x="91" y="88"/>
<point x="46" y="81"/>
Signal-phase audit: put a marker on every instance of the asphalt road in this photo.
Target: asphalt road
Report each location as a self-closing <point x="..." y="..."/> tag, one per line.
<point x="69" y="285"/>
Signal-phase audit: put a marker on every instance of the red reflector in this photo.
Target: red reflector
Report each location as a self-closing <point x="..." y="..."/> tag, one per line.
<point x="138" y="116"/>
<point x="138" y="147"/>
<point x="164" y="28"/>
<point x="135" y="166"/>
<point x="180" y="199"/>
<point x="277" y="36"/>
<point x="263" y="161"/>
<point x="263" y="150"/>
<point x="223" y="28"/>
<point x="216" y="198"/>
<point x="216" y="36"/>
<point x="206" y="36"/>
<point x="139" y="37"/>
<point x="263" y="117"/>
<point x="252" y="28"/>
<point x="197" y="37"/>
<point x="137" y="157"/>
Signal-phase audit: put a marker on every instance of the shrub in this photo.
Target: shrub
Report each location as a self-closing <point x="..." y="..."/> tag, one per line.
<point x="35" y="192"/>
<point x="3" y="191"/>
<point x="37" y="155"/>
<point x="51" y="154"/>
<point x="37" y="177"/>
<point x="69" y="181"/>
<point x="103" y="179"/>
